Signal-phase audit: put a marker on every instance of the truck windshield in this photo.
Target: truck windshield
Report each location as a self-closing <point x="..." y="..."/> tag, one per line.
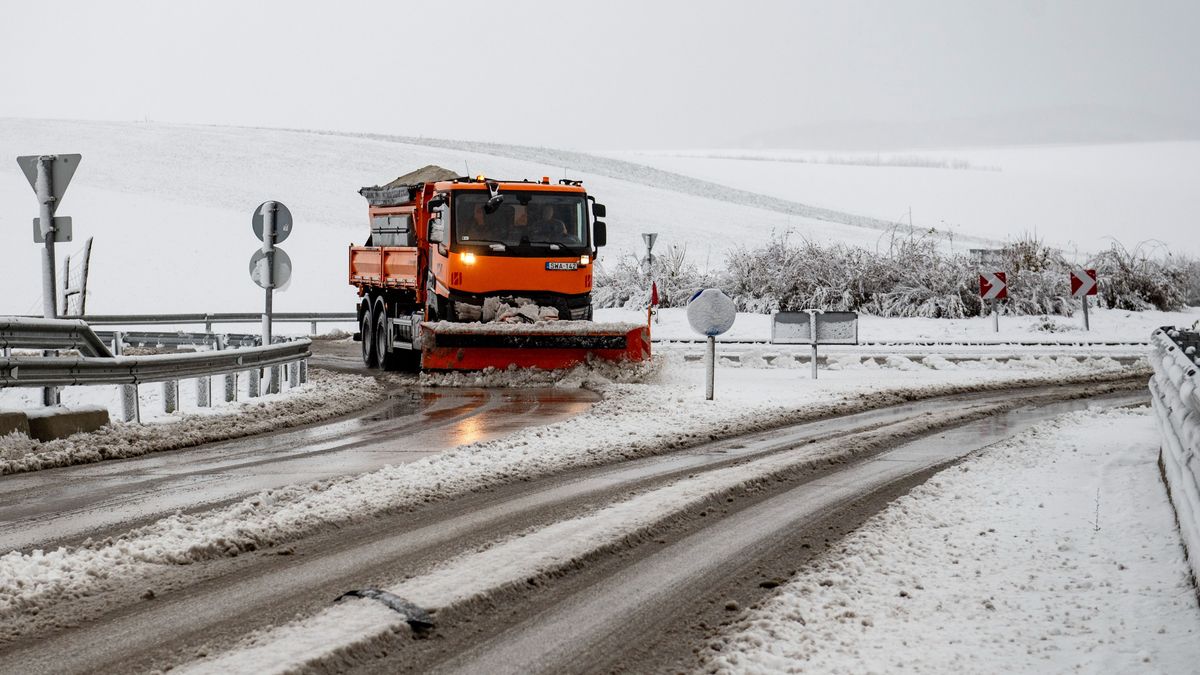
<point x="527" y="223"/>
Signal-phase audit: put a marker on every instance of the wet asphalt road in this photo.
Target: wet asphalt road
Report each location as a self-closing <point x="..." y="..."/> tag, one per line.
<point x="63" y="506"/>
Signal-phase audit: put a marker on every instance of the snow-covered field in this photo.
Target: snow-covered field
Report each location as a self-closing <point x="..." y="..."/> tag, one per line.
<point x="1055" y="551"/>
<point x="170" y="208"/>
<point x="634" y="419"/>
<point x="1073" y="196"/>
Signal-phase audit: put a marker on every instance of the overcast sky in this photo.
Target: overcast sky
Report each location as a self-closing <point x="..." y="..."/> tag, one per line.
<point x="596" y="75"/>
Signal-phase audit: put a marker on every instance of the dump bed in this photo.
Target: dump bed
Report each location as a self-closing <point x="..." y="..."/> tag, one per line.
<point x="383" y="266"/>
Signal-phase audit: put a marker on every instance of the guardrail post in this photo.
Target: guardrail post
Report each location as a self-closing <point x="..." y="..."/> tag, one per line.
<point x="131" y="408"/>
<point x="231" y="387"/>
<point x="293" y="374"/>
<point x="276" y="381"/>
<point x="203" y="392"/>
<point x="254" y="383"/>
<point x="207" y="323"/>
<point x="303" y="371"/>
<point x="170" y="390"/>
<point x="313" y="328"/>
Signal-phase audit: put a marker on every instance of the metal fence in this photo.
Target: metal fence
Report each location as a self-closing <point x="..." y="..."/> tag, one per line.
<point x="96" y="365"/>
<point x="208" y="319"/>
<point x="1175" y="395"/>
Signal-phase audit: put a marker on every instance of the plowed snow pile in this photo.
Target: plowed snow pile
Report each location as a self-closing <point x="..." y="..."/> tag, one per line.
<point x="1054" y="551"/>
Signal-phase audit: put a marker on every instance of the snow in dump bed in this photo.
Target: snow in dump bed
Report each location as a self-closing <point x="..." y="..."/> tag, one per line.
<point x="538" y="328"/>
<point x="324" y="396"/>
<point x="1055" y="551"/>
<point x="633" y="419"/>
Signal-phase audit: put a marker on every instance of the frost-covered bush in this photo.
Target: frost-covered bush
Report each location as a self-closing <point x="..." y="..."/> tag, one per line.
<point x="916" y="278"/>
<point x="1135" y="280"/>
<point x="626" y="283"/>
<point x="1038" y="278"/>
<point x="913" y="277"/>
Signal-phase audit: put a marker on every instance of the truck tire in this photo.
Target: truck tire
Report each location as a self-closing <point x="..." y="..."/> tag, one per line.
<point x="385" y="358"/>
<point x="368" y="339"/>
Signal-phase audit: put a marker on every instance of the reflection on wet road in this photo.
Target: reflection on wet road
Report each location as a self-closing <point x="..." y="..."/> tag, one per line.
<point x="68" y="504"/>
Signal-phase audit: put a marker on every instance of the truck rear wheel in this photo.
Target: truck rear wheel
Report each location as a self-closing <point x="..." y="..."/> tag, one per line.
<point x="368" y="340"/>
<point x="384" y="358"/>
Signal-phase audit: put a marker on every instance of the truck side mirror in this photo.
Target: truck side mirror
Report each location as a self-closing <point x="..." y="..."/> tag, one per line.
<point x="437" y="202"/>
<point x="600" y="233"/>
<point x="598" y="210"/>
<point x="437" y="228"/>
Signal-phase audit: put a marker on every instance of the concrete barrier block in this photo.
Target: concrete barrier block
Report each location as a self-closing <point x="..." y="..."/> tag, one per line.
<point x="13" y="420"/>
<point x="56" y="422"/>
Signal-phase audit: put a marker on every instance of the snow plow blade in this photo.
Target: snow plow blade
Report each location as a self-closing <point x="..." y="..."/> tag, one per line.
<point x="550" y="345"/>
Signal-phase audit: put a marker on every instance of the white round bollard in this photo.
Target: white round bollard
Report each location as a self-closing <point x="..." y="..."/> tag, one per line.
<point x="710" y="313"/>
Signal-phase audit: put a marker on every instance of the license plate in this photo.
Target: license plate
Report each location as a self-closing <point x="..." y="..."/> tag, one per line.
<point x="562" y="265"/>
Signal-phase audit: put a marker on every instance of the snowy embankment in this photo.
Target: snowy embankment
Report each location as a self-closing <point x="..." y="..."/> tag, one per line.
<point x="633" y="419"/>
<point x="1054" y="551"/>
<point x="1175" y="390"/>
<point x="326" y="395"/>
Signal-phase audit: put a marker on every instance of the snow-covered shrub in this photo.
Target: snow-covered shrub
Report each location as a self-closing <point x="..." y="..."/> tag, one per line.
<point x="1038" y="278"/>
<point x="1134" y="280"/>
<point x="912" y="278"/>
<point x="918" y="279"/>
<point x="627" y="282"/>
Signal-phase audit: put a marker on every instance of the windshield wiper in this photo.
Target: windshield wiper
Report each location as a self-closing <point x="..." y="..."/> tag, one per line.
<point x="490" y="242"/>
<point x="552" y="244"/>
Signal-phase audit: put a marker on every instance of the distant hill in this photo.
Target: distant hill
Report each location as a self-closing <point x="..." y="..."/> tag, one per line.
<point x="1066" y="125"/>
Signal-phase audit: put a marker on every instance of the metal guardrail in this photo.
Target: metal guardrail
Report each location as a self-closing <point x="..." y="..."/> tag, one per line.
<point x="1175" y="397"/>
<point x="208" y="319"/>
<point x="98" y="366"/>
<point x="181" y="339"/>
<point x="66" y="371"/>
<point x="28" y="333"/>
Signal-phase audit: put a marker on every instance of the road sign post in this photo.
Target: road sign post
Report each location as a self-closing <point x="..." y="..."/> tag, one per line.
<point x="270" y="267"/>
<point x="1083" y="284"/>
<point x="814" y="327"/>
<point x="49" y="176"/>
<point x="993" y="286"/>
<point x="649" y="238"/>
<point x="710" y="313"/>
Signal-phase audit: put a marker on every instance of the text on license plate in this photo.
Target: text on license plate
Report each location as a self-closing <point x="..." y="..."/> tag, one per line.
<point x="562" y="265"/>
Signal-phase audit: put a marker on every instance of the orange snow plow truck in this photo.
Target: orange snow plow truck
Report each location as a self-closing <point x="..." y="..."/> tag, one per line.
<point x="468" y="273"/>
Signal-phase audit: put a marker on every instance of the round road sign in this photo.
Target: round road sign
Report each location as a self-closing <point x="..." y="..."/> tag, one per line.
<point x="282" y="272"/>
<point x="710" y="312"/>
<point x="283" y="221"/>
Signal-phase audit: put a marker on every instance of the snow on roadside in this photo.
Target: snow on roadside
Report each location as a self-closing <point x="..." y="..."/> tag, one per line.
<point x="1107" y="325"/>
<point x="1053" y="551"/>
<point x="632" y="420"/>
<point x="324" y="396"/>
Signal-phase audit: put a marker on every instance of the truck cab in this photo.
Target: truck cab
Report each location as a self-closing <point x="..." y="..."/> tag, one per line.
<point x="509" y="240"/>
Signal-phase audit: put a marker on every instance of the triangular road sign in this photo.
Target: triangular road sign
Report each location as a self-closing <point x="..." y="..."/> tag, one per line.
<point x="62" y="170"/>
